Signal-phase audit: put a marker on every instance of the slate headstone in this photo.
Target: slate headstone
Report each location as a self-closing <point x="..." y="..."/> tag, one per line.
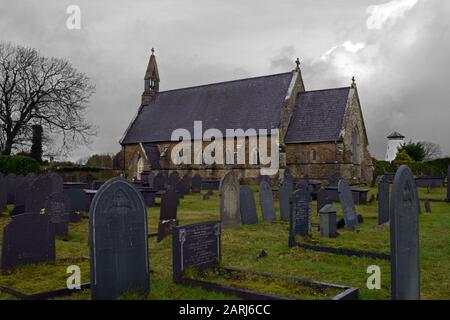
<point x="168" y="207"/>
<point x="266" y="202"/>
<point x="118" y="241"/>
<point x="229" y="200"/>
<point x="57" y="207"/>
<point x="36" y="193"/>
<point x="28" y="239"/>
<point x="348" y="205"/>
<point x="57" y="182"/>
<point x="374" y="178"/>
<point x="285" y="192"/>
<point x="383" y="201"/>
<point x="300" y="218"/>
<point x="404" y="220"/>
<point x="247" y="206"/>
<point x="196" y="184"/>
<point x="159" y="182"/>
<point x="195" y="245"/>
<point x="322" y="199"/>
<point x="78" y="199"/>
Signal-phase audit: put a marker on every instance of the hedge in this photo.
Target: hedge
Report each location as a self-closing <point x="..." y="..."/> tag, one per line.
<point x="18" y="165"/>
<point x="436" y="167"/>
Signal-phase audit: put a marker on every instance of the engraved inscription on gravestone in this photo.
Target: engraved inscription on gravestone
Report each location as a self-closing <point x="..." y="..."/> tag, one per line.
<point x="266" y="202"/>
<point x="229" y="200"/>
<point x="196" y="245"/>
<point x="348" y="205"/>
<point x="57" y="207"/>
<point x="300" y="219"/>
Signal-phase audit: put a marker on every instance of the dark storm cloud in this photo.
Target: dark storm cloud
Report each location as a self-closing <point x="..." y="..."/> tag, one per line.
<point x="400" y="71"/>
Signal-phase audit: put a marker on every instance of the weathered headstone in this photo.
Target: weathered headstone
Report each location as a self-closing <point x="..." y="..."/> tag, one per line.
<point x="196" y="245"/>
<point x="36" y="193"/>
<point x="328" y="221"/>
<point x="286" y="190"/>
<point x="247" y="206"/>
<point x="57" y="182"/>
<point x="322" y="199"/>
<point x="348" y="205"/>
<point x="229" y="200"/>
<point x="167" y="212"/>
<point x="300" y="218"/>
<point x="383" y="201"/>
<point x="196" y="184"/>
<point x="266" y="202"/>
<point x="78" y="199"/>
<point x="404" y="219"/>
<point x="57" y="207"/>
<point x="118" y="241"/>
<point x="28" y="238"/>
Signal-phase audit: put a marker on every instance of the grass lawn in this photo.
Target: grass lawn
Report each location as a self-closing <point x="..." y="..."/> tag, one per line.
<point x="241" y="246"/>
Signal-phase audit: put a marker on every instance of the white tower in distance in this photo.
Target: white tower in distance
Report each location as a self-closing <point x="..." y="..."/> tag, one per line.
<point x="395" y="140"/>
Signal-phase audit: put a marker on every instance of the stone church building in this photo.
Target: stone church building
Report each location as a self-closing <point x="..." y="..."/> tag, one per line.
<point x="322" y="132"/>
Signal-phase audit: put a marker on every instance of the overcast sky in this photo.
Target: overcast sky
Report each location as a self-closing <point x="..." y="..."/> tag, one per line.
<point x="399" y="52"/>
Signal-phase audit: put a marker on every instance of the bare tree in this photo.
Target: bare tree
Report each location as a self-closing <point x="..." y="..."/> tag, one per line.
<point x="432" y="150"/>
<point x="37" y="90"/>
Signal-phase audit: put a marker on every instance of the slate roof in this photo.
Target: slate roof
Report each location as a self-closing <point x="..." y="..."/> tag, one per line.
<point x="248" y="103"/>
<point x="318" y="116"/>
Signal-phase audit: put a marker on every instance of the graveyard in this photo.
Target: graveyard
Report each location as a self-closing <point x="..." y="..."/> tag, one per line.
<point x="261" y="248"/>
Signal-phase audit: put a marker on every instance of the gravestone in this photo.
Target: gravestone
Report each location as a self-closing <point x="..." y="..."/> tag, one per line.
<point x="195" y="245"/>
<point x="167" y="212"/>
<point x="303" y="183"/>
<point x="285" y="192"/>
<point x="78" y="199"/>
<point x="21" y="190"/>
<point x="404" y="220"/>
<point x="229" y="200"/>
<point x="174" y="177"/>
<point x="348" y="205"/>
<point x="247" y="206"/>
<point x="333" y="179"/>
<point x="118" y="241"/>
<point x="374" y="178"/>
<point x="300" y="218"/>
<point x="262" y="178"/>
<point x="183" y="185"/>
<point x="196" y="184"/>
<point x="36" y="193"/>
<point x="28" y="239"/>
<point x="57" y="182"/>
<point x="57" y="207"/>
<point x="322" y="199"/>
<point x="165" y="228"/>
<point x="328" y="221"/>
<point x="149" y="196"/>
<point x="427" y="205"/>
<point x="383" y="201"/>
<point x="266" y="202"/>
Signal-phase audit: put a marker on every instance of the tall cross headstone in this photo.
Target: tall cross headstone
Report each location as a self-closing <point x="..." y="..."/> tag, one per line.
<point x="383" y="200"/>
<point x="118" y="241"/>
<point x="348" y="205"/>
<point x="229" y="200"/>
<point x="404" y="220"/>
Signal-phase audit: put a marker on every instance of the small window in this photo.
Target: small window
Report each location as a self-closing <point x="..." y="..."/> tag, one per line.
<point x="313" y="155"/>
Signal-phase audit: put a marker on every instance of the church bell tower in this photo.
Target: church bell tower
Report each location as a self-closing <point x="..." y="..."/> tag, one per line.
<point x="151" y="80"/>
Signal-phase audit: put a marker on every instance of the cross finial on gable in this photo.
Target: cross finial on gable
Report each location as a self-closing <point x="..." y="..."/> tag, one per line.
<point x="153" y="51"/>
<point x="297" y="62"/>
<point x="353" y="82"/>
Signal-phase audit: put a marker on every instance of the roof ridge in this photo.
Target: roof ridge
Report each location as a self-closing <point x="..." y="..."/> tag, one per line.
<point x="329" y="89"/>
<point x="224" y="82"/>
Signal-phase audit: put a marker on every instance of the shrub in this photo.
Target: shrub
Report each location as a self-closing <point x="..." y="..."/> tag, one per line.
<point x="19" y="165"/>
